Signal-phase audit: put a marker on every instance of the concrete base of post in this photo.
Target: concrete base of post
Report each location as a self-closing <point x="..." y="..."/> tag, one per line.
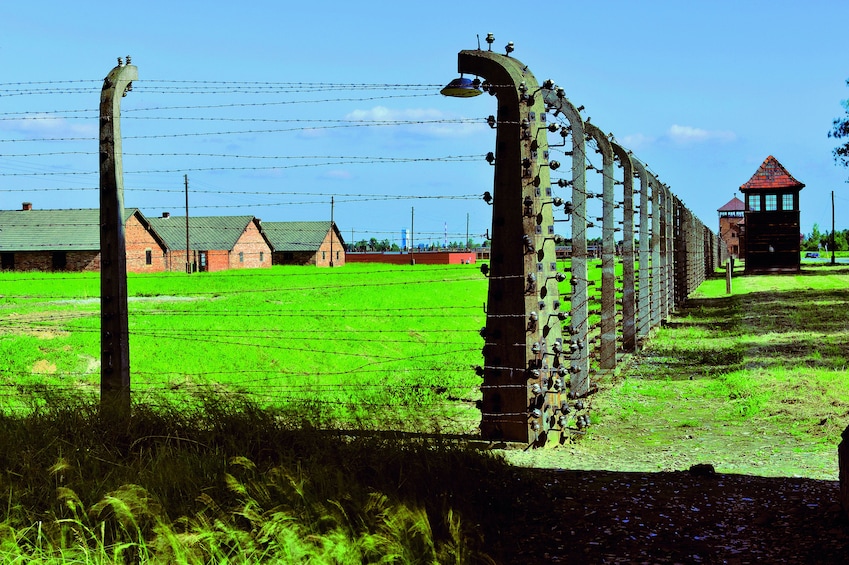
<point x="843" y="463"/>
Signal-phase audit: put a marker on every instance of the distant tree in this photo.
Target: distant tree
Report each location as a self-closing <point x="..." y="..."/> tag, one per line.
<point x="840" y="130"/>
<point x="814" y="239"/>
<point x="840" y="241"/>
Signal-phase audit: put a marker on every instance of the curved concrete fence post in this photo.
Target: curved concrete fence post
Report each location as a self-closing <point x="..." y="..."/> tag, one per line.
<point x="556" y="99"/>
<point x="607" y="349"/>
<point x="524" y="351"/>
<point x="114" y="332"/>
<point x="629" y="325"/>
<point x="643" y="285"/>
<point x="658" y="271"/>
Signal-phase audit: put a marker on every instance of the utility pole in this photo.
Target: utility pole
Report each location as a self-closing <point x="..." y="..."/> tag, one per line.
<point x="833" y="260"/>
<point x="188" y="261"/>
<point x="114" y="331"/>
<point x="331" y="232"/>
<point x="412" y="232"/>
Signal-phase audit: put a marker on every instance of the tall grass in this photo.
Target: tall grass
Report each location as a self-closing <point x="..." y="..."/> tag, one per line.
<point x="228" y="481"/>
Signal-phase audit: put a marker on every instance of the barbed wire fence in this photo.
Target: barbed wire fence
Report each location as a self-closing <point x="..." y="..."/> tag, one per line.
<point x="432" y="378"/>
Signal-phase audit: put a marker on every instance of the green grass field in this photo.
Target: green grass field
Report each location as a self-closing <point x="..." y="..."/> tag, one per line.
<point x="354" y="343"/>
<point x="753" y="382"/>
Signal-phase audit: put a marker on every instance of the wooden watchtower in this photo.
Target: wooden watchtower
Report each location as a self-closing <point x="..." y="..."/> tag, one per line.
<point x="730" y="217"/>
<point x="772" y="242"/>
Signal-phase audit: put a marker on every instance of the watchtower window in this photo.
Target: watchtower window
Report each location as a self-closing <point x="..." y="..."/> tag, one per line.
<point x="771" y="202"/>
<point x="787" y="202"/>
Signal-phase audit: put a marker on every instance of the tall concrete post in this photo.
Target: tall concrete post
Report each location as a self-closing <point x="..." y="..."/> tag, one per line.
<point x="555" y="99"/>
<point x="658" y="271"/>
<point x="629" y="331"/>
<point x="643" y="299"/>
<point x="524" y="352"/>
<point x="114" y="333"/>
<point x="607" y="350"/>
<point x="677" y="258"/>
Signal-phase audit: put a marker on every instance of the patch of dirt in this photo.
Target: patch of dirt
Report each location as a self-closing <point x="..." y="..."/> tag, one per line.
<point x="44" y="367"/>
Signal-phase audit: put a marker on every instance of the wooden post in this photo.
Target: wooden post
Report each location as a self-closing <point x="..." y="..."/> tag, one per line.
<point x="331" y="231"/>
<point x="188" y="260"/>
<point x="114" y="333"/>
<point x="729" y="266"/>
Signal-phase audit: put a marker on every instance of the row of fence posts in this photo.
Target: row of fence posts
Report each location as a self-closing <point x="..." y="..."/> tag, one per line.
<point x="540" y="358"/>
<point x="537" y="368"/>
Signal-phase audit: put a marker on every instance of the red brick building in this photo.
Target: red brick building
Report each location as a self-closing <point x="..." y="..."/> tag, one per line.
<point x="419" y="257"/>
<point x="69" y="240"/>
<point x="771" y="234"/>
<point x="730" y="224"/>
<point x="215" y="243"/>
<point x="306" y="243"/>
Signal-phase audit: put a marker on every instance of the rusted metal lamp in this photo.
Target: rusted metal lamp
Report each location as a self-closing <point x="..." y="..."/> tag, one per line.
<point x="462" y="88"/>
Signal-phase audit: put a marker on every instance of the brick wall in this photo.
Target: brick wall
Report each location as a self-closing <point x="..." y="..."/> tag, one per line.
<point x="139" y="241"/>
<point x="44" y="261"/>
<point x="251" y="250"/>
<point x="422" y="258"/>
<point x="323" y="255"/>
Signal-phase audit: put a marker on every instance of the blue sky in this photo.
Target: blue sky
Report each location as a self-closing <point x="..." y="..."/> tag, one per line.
<point x="702" y="92"/>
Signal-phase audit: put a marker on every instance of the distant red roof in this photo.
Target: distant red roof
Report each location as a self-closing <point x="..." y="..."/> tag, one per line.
<point x="733" y="205"/>
<point x="771" y="176"/>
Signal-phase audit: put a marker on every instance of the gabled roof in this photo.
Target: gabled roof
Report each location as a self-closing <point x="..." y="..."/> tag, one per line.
<point x="733" y="205"/>
<point x="53" y="230"/>
<point x="771" y="176"/>
<point x="206" y="233"/>
<point x="298" y="236"/>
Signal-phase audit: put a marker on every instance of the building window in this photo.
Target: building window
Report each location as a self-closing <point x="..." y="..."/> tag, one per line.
<point x="787" y="202"/>
<point x="148" y="257"/>
<point x="754" y="202"/>
<point x="337" y="255"/>
<point x="771" y="203"/>
<point x="323" y="257"/>
<point x="261" y="256"/>
<point x="241" y="256"/>
<point x="8" y="261"/>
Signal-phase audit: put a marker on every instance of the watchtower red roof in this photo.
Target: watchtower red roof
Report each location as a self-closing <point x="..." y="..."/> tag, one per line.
<point x="733" y="205"/>
<point x="771" y="176"/>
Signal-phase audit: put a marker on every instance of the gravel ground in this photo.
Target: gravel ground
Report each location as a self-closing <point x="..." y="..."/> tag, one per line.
<point x="694" y="516"/>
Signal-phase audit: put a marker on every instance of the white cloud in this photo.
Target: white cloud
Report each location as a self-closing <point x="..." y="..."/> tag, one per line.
<point x="428" y="122"/>
<point x="43" y="125"/>
<point x="686" y="135"/>
<point x="337" y="174"/>
<point x="636" y="141"/>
